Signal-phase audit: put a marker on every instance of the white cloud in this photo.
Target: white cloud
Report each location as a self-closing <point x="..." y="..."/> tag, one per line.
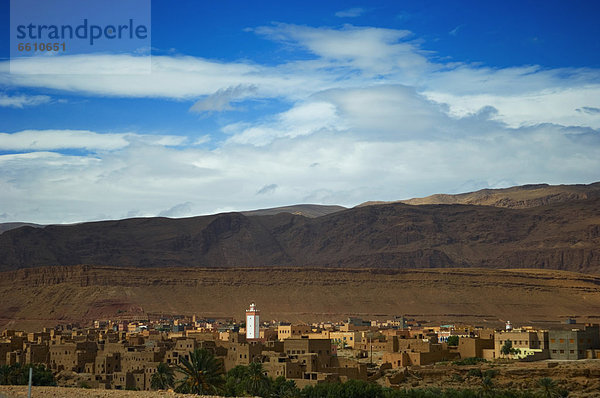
<point x="175" y="77"/>
<point x="221" y="100"/>
<point x="347" y="57"/>
<point x="38" y="140"/>
<point x="370" y="116"/>
<point x="331" y="167"/>
<point x="267" y="189"/>
<point x="588" y="109"/>
<point x="21" y="101"/>
<point x="368" y="50"/>
<point x="559" y="105"/>
<point x="303" y="119"/>
<point x="179" y="210"/>
<point x="350" y="12"/>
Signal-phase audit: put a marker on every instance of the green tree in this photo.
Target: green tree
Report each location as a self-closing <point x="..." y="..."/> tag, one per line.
<point x="4" y="375"/>
<point x="163" y="378"/>
<point x="549" y="388"/>
<point x="506" y="349"/>
<point x="282" y="388"/>
<point x="202" y="373"/>
<point x="234" y="382"/>
<point x="453" y="341"/>
<point x="18" y="374"/>
<point x="256" y="382"/>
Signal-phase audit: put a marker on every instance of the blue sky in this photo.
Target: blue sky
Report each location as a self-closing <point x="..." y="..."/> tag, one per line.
<point x="263" y="104"/>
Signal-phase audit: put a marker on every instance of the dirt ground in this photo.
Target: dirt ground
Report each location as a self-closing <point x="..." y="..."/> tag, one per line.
<point x="581" y="378"/>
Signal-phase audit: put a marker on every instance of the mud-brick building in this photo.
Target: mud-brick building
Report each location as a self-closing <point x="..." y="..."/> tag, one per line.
<point x="139" y="359"/>
<point x="242" y="353"/>
<point x="529" y="343"/>
<point x="292" y="331"/>
<point x="575" y="343"/>
<point x="72" y="356"/>
<point x="107" y="363"/>
<point x="320" y="347"/>
<point x="474" y="347"/>
<point x="416" y="351"/>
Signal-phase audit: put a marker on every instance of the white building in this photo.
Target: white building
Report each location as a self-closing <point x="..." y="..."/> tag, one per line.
<point x="252" y="322"/>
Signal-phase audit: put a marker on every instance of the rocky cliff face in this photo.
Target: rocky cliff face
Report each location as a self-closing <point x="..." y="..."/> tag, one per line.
<point x="37" y="297"/>
<point x="562" y="236"/>
<point x="519" y="197"/>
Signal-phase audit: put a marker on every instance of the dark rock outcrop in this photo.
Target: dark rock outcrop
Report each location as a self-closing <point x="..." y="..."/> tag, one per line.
<point x="555" y="236"/>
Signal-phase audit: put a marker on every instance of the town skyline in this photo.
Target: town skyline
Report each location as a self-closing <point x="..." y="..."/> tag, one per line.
<point x="130" y="354"/>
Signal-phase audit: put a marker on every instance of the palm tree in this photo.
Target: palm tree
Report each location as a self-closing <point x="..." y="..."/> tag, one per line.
<point x="283" y="388"/>
<point x="549" y="387"/>
<point x="234" y="381"/>
<point x="202" y="373"/>
<point x="163" y="378"/>
<point x="256" y="381"/>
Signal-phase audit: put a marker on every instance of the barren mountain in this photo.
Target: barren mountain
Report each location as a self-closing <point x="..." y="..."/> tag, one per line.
<point x="307" y="210"/>
<point x="44" y="296"/>
<point x="519" y="197"/>
<point x="7" y="226"/>
<point x="563" y="236"/>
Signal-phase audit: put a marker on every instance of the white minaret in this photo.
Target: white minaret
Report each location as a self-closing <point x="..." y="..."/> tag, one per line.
<point x="252" y="322"/>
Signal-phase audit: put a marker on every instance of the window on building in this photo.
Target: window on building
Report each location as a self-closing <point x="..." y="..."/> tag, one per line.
<point x="562" y="351"/>
<point x="571" y="341"/>
<point x="552" y="341"/>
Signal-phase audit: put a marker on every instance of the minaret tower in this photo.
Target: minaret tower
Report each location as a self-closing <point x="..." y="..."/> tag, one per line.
<point x="252" y="322"/>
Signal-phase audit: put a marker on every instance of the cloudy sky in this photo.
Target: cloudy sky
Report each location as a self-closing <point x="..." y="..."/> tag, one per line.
<point x="260" y="104"/>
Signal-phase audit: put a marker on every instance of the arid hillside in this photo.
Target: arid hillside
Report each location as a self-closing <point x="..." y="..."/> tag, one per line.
<point x="45" y="296"/>
<point x="563" y="236"/>
<point x="519" y="197"/>
<point x="307" y="210"/>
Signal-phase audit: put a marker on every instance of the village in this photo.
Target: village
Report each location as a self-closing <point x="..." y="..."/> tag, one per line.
<point x="124" y="354"/>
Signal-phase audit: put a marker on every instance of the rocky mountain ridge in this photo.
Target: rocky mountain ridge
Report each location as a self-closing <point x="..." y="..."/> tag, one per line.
<point x="564" y="235"/>
<point x="518" y="197"/>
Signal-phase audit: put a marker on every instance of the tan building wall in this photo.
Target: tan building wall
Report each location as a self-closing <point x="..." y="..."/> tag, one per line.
<point x="137" y="360"/>
<point x="292" y="331"/>
<point x="410" y="358"/>
<point x="320" y="347"/>
<point x="107" y="363"/>
<point x="350" y="339"/>
<point x="242" y="354"/>
<point x="72" y="356"/>
<point x="469" y="347"/>
<point x="277" y="366"/>
<point x="528" y="341"/>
